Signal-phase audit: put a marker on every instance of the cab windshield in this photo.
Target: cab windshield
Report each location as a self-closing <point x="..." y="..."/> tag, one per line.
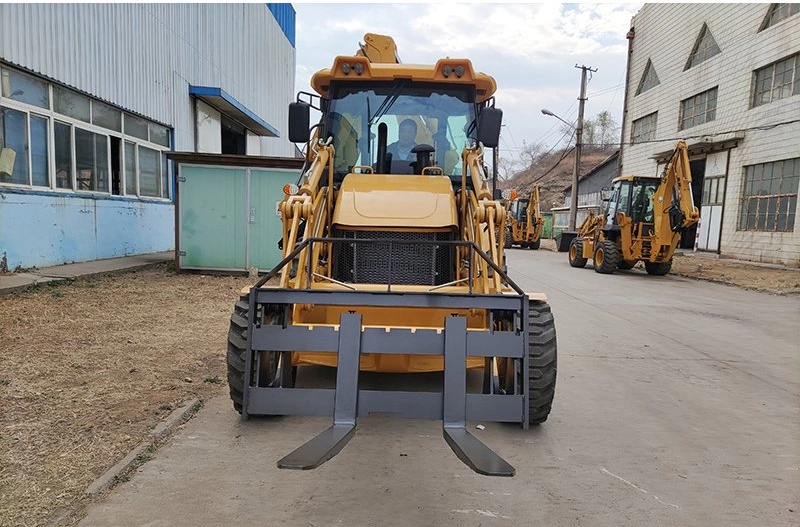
<point x="635" y="199"/>
<point x="519" y="210"/>
<point x="414" y="114"/>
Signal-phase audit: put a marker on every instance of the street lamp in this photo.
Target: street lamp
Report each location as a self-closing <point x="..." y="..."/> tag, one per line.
<point x="573" y="202"/>
<point x="551" y="114"/>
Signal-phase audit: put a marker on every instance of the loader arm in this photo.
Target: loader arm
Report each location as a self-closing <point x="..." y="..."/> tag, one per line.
<point x="481" y="217"/>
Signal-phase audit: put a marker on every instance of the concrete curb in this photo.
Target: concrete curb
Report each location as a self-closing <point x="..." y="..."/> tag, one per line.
<point x="19" y="282"/>
<point x="141" y="453"/>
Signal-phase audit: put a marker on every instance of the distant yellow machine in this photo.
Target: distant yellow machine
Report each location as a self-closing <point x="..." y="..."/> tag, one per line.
<point x="643" y="221"/>
<point x="525" y="222"/>
<point x="391" y="264"/>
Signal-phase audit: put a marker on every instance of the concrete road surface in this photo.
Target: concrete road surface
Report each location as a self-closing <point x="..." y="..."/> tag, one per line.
<point x="678" y="403"/>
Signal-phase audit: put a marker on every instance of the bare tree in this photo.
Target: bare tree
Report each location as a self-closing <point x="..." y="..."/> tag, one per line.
<point x="530" y="154"/>
<point x="507" y="168"/>
<point x="568" y="132"/>
<point x="607" y="128"/>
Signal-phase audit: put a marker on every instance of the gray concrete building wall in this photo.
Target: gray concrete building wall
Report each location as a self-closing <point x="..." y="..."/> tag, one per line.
<point x="749" y="134"/>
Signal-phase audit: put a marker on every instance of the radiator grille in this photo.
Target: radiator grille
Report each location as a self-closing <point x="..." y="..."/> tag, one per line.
<point x="408" y="262"/>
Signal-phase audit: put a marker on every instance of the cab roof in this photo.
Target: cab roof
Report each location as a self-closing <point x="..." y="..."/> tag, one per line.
<point x="632" y="177"/>
<point x="445" y="71"/>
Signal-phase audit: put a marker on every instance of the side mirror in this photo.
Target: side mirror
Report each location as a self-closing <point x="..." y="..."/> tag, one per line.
<point x="299" y="119"/>
<point x="606" y="193"/>
<point x="489" y="124"/>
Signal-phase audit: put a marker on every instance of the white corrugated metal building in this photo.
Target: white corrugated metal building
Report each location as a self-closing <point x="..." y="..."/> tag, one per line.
<point x="94" y="95"/>
<point x="726" y="78"/>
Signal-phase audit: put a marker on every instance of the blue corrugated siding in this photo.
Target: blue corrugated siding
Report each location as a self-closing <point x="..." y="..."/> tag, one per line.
<point x="284" y="14"/>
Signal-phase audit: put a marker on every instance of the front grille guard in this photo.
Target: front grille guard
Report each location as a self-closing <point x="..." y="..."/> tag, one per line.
<point x="453" y="405"/>
<point x="308" y="243"/>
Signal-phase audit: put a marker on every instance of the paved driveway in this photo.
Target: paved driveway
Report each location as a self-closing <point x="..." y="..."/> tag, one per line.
<point x="678" y="403"/>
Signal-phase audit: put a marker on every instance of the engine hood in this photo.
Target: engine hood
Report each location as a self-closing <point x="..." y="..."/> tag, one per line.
<point x="395" y="201"/>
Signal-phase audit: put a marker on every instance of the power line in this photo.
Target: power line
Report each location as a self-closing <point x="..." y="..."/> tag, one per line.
<point x="606" y="90"/>
<point x="698" y="136"/>
<point x="513" y="140"/>
<point x="564" y="156"/>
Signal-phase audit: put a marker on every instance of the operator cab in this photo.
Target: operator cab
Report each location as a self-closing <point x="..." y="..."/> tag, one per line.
<point x="633" y="196"/>
<point x="519" y="210"/>
<point x="422" y="124"/>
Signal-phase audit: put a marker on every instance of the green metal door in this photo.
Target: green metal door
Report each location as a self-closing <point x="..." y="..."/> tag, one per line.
<point x="547" y="229"/>
<point x="212" y="229"/>
<point x="266" y="191"/>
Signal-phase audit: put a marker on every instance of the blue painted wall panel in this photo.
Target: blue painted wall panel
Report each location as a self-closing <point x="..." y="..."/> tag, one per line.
<point x="48" y="229"/>
<point x="285" y="16"/>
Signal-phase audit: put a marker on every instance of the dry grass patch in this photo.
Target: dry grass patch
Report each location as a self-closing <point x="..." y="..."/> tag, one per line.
<point x="87" y="368"/>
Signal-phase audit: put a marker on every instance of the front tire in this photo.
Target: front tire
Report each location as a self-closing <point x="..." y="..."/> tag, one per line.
<point x="606" y="257"/>
<point x="576" y="258"/>
<point x="535" y="245"/>
<point x="508" y="239"/>
<point x="237" y="348"/>
<point x="269" y="373"/>
<point x="542" y="361"/>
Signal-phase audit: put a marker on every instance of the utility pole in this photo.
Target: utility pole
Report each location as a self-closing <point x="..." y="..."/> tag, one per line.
<point x="573" y="204"/>
<point x="495" y="160"/>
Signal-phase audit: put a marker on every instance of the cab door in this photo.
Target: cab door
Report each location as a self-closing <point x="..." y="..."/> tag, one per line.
<point x="620" y="201"/>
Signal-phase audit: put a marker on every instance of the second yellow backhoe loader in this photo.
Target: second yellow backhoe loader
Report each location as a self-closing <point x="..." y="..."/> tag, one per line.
<point x="391" y="264"/>
<point x="525" y="222"/>
<point x="642" y="222"/>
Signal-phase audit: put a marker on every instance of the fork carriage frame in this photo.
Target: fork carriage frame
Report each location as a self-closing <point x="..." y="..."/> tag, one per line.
<point x="349" y="339"/>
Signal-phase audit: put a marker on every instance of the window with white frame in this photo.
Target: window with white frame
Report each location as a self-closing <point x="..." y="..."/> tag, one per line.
<point x="644" y="128"/>
<point x="698" y="109"/>
<point x="778" y="80"/>
<point x="56" y="138"/>
<point x="769" y="199"/>
<point x="777" y="13"/>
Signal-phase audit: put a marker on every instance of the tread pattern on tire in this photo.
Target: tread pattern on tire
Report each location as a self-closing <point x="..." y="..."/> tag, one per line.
<point x="579" y="260"/>
<point x="508" y="239"/>
<point x="543" y="358"/>
<point x="610" y="257"/>
<point x="237" y="347"/>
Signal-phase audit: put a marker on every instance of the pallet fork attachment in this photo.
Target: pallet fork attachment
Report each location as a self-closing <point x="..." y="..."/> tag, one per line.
<point x="454" y="406"/>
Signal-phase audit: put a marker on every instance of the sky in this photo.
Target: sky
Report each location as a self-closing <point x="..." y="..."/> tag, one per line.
<point x="530" y="49"/>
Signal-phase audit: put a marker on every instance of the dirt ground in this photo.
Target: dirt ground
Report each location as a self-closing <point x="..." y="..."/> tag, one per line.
<point x="88" y="367"/>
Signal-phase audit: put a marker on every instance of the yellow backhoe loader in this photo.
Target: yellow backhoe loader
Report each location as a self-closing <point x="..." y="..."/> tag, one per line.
<point x="643" y="221"/>
<point x="525" y="222"/>
<point x="391" y="265"/>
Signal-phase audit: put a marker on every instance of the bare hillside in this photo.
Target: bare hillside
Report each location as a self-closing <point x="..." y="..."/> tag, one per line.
<point x="554" y="181"/>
